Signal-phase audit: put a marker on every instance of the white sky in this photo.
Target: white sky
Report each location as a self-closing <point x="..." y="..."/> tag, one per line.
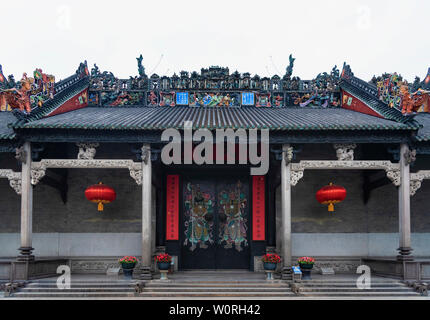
<point x="372" y="36"/>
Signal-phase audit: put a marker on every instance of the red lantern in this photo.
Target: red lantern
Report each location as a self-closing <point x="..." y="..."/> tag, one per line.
<point x="100" y="194"/>
<point x="330" y="195"/>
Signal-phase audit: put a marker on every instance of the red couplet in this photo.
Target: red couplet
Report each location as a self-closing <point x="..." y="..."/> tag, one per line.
<point x="258" y="208"/>
<point x="172" y="208"/>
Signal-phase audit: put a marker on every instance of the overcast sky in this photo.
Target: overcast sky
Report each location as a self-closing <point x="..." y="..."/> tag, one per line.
<point x="250" y="36"/>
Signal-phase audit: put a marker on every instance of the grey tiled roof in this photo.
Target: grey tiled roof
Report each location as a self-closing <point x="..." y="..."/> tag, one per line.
<point x="424" y="132"/>
<point x="158" y="118"/>
<point x="6" y="118"/>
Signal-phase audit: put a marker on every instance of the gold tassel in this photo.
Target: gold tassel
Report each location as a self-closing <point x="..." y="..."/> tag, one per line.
<point x="331" y="207"/>
<point x="100" y="207"/>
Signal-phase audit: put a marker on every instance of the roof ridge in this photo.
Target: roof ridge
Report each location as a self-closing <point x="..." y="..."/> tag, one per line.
<point x="366" y="93"/>
<point x="52" y="104"/>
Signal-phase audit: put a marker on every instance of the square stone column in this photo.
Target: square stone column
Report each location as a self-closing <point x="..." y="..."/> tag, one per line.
<point x="146" y="261"/>
<point x="286" y="207"/>
<point x="404" y="205"/>
<point x="26" y="205"/>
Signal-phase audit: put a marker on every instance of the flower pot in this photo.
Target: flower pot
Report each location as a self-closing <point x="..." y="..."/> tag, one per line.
<point x="128" y="268"/>
<point x="163" y="265"/>
<point x="306" y="271"/>
<point x="269" y="266"/>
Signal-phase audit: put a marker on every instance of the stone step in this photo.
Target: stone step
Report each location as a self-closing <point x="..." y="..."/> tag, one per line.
<point x="355" y="289"/>
<point x="343" y="285"/>
<point x="215" y="289"/>
<point x="256" y="294"/>
<point x="262" y="281"/>
<point x="349" y="281"/>
<point x="79" y="289"/>
<point x="81" y="285"/>
<point x="259" y="294"/>
<point x="59" y="295"/>
<point x="82" y="281"/>
<point x="158" y="283"/>
<point x="159" y="289"/>
<point x="219" y="285"/>
<point x="359" y="294"/>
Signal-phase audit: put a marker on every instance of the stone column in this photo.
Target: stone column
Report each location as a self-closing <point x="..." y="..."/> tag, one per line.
<point x="146" y="261"/>
<point x="404" y="205"/>
<point x="286" y="207"/>
<point x="26" y="205"/>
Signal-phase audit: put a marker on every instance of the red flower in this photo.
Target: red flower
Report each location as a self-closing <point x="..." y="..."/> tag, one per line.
<point x="306" y="260"/>
<point x="271" y="258"/>
<point x="128" y="259"/>
<point x="163" y="258"/>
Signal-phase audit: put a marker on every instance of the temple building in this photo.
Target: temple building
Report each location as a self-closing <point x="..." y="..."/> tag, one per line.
<point x="57" y="139"/>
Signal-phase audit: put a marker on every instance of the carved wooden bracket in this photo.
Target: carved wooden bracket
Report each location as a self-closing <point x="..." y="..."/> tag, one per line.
<point x="13" y="177"/>
<point x="20" y="154"/>
<point x="288" y="154"/>
<point x="146" y="154"/>
<point x="410" y="156"/>
<point x="416" y="180"/>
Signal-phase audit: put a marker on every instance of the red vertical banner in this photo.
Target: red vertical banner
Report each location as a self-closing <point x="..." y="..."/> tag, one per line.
<point x="172" y="208"/>
<point x="258" y="208"/>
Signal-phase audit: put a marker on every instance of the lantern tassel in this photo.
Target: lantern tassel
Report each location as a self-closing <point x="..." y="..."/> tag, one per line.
<point x="100" y="206"/>
<point x="331" y="207"/>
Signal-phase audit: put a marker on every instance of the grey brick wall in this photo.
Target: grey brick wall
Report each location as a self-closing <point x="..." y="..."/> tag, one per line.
<point x="78" y="215"/>
<point x="379" y="215"/>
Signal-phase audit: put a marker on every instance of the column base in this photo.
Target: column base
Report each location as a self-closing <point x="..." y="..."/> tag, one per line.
<point x="25" y="254"/>
<point x="146" y="273"/>
<point x="405" y="254"/>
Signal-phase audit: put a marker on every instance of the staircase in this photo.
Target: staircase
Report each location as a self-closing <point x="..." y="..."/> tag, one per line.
<point x="192" y="284"/>
<point x="216" y="284"/>
<point x="256" y="289"/>
<point x="83" y="289"/>
<point x="383" y="288"/>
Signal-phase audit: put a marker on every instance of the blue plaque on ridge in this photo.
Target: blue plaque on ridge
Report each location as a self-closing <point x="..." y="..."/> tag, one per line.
<point x="182" y="98"/>
<point x="247" y="98"/>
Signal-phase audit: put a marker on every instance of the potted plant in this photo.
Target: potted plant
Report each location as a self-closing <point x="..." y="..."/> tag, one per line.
<point x="128" y="263"/>
<point x="163" y="261"/>
<point x="306" y="264"/>
<point x="270" y="261"/>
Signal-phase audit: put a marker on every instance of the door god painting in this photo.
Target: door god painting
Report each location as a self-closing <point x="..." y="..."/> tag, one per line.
<point x="198" y="217"/>
<point x="232" y="216"/>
